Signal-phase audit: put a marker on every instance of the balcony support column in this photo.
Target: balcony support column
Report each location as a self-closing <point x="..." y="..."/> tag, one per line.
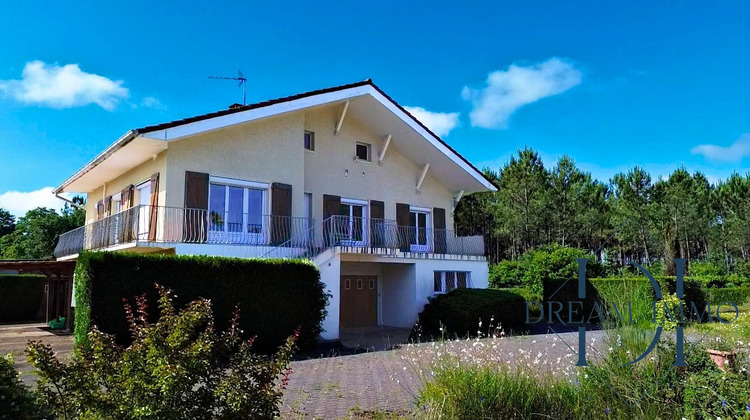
<point x="422" y="176"/>
<point x="341" y="119"/>
<point x="385" y="149"/>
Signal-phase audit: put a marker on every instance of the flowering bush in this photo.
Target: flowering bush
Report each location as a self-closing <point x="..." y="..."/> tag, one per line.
<point x="176" y="368"/>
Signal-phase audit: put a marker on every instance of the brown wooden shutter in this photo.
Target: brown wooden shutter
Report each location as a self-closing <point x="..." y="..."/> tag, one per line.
<point x="331" y="207"/>
<point x="281" y="211"/>
<point x="377" y="224"/>
<point x="438" y="223"/>
<point x="127" y="218"/>
<point x="99" y="209"/>
<point x="402" y="220"/>
<point x="126" y="197"/>
<point x="153" y="215"/>
<point x="196" y="207"/>
<point x="108" y="205"/>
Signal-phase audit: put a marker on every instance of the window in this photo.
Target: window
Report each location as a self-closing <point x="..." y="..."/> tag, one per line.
<point x="349" y="225"/>
<point x="309" y="140"/>
<point x="419" y="220"/>
<point x="236" y="211"/>
<point x="363" y="151"/>
<point x="445" y="281"/>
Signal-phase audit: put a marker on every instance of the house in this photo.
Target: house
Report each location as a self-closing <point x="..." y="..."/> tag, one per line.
<point x="343" y="176"/>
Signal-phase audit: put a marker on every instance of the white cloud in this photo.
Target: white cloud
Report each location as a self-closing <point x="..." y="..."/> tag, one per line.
<point x="441" y="123"/>
<point x="151" y="102"/>
<point x="18" y="203"/>
<point x="507" y="90"/>
<point x="65" y="86"/>
<point x="725" y="154"/>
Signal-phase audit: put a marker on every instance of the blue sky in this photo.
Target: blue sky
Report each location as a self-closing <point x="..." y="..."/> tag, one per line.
<point x="658" y="84"/>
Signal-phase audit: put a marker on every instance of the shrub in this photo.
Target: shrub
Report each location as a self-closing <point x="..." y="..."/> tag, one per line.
<point x="459" y="312"/>
<point x="180" y="367"/>
<point x="482" y="392"/>
<point x="737" y="295"/>
<point x="21" y="298"/>
<point x="700" y="268"/>
<point x="506" y="273"/>
<point x="17" y="402"/>
<point x="533" y="268"/>
<point x="275" y="296"/>
<point x="669" y="313"/>
<point x="713" y="394"/>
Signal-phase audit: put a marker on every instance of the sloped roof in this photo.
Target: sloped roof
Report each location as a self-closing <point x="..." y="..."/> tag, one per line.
<point x="150" y="144"/>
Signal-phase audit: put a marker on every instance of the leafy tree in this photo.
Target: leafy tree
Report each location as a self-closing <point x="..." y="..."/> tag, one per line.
<point x="177" y="368"/>
<point x="632" y="193"/>
<point x="523" y="185"/>
<point x="36" y="233"/>
<point x="7" y="222"/>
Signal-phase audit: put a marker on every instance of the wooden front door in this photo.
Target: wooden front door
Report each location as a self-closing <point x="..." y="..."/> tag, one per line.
<point x="359" y="301"/>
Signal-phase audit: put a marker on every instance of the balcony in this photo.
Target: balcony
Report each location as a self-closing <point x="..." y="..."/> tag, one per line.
<point x="357" y="235"/>
<point x="272" y="236"/>
<point x="150" y="226"/>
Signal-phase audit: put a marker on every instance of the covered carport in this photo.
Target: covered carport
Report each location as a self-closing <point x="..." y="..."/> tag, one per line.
<point x="58" y="286"/>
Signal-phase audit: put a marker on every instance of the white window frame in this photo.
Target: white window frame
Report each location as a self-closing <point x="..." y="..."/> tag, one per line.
<point x="425" y="247"/>
<point x="443" y="289"/>
<point x="369" y="151"/>
<point x="242" y="237"/>
<point x="144" y="215"/>
<point x="312" y="140"/>
<point x="365" y="221"/>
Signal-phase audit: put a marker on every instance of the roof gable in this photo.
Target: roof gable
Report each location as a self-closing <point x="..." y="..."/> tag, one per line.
<point x="147" y="139"/>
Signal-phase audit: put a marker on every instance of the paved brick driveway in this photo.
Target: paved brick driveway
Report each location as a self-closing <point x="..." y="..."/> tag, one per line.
<point x="341" y="387"/>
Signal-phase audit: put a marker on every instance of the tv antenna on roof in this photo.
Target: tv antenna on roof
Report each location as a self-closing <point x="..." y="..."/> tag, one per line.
<point x="241" y="77"/>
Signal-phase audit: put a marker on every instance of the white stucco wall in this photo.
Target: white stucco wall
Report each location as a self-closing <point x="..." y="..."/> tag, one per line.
<point x="330" y="275"/>
<point x="399" y="295"/>
<point x="134" y="176"/>
<point x="393" y="182"/>
<point x="268" y="150"/>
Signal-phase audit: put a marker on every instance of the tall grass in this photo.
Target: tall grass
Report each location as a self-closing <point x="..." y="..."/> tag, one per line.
<point x="483" y="392"/>
<point x="466" y="386"/>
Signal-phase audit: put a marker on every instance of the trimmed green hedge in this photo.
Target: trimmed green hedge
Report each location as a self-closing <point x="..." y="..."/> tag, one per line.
<point x="737" y="295"/>
<point x="620" y="291"/>
<point x="638" y="290"/>
<point x="460" y="311"/>
<point x="21" y="297"/>
<point x="274" y="296"/>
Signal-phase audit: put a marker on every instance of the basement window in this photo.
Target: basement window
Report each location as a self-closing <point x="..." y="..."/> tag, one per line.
<point x="445" y="281"/>
<point x="363" y="151"/>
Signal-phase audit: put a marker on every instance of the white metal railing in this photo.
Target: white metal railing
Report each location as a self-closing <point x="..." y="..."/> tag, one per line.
<point x="181" y="225"/>
<point x="356" y="234"/>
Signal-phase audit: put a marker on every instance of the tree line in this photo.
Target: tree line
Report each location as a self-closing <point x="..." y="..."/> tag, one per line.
<point x="645" y="219"/>
<point x="35" y="235"/>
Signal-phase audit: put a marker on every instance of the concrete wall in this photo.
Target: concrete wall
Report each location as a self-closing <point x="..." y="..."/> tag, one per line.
<point x="330" y="275"/>
<point x="426" y="277"/>
<point x="399" y="295"/>
<point x="393" y="182"/>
